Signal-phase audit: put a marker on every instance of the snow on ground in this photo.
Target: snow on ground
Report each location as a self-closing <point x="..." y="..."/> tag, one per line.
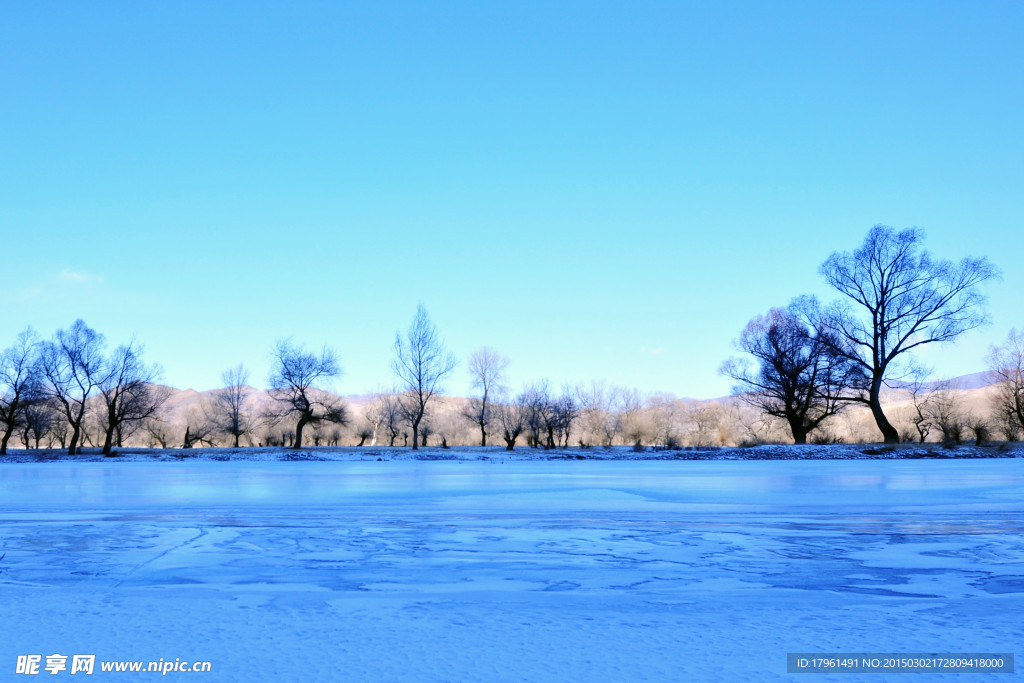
<point x="506" y="570"/>
<point x="352" y="453"/>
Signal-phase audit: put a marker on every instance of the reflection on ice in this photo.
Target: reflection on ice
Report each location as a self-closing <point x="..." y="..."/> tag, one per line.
<point x="524" y="485"/>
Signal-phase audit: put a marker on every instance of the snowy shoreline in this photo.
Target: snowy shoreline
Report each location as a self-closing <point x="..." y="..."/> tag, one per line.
<point x="866" y="451"/>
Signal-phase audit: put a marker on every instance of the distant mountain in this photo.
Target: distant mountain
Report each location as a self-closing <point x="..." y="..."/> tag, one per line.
<point x="975" y="380"/>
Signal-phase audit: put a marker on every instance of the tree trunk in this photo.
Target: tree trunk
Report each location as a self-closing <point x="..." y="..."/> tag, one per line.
<point x="298" y="431"/>
<point x="108" y="440"/>
<point x="416" y="432"/>
<point x="1019" y="405"/>
<point x="236" y="439"/>
<point x="483" y="419"/>
<point x="510" y="444"/>
<point x="3" y="442"/>
<point x="889" y="433"/>
<point x="799" y="431"/>
<point x="76" y="426"/>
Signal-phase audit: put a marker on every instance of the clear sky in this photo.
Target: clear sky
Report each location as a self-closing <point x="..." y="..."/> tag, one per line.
<point x="596" y="190"/>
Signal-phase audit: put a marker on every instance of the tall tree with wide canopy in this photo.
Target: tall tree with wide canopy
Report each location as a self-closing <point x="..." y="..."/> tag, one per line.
<point x="795" y="376"/>
<point x="130" y="395"/>
<point x="897" y="297"/>
<point x="73" y="367"/>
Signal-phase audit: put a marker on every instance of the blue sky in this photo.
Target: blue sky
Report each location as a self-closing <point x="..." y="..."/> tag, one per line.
<point x="596" y="190"/>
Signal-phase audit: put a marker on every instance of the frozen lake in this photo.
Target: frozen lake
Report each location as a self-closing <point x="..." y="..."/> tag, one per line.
<point x="641" y="570"/>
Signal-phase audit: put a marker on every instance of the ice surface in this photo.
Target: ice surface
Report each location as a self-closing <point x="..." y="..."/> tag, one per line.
<point x="643" y="570"/>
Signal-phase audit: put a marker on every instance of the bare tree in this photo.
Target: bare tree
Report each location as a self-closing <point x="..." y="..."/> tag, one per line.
<point x="230" y="403"/>
<point x="384" y="415"/>
<point x="897" y="298"/>
<point x="666" y="414"/>
<point x="129" y="394"/>
<point x="511" y="417"/>
<point x="922" y="396"/>
<point x="751" y="427"/>
<point x="293" y="384"/>
<point x="630" y="424"/>
<point x="426" y="431"/>
<point x="73" y="366"/>
<point x="549" y="419"/>
<point x="948" y="412"/>
<point x="158" y="431"/>
<point x="385" y="411"/>
<point x="1007" y="425"/>
<point x="596" y="421"/>
<point x="487" y="368"/>
<point x="421" y="363"/>
<point x="40" y="421"/>
<point x="374" y="416"/>
<point x="565" y="409"/>
<point x="796" y="376"/>
<point x="537" y="407"/>
<point x="364" y="434"/>
<point x="200" y="428"/>
<point x="981" y="428"/>
<point x="706" y="418"/>
<point x="1006" y="371"/>
<point x="20" y="384"/>
<point x="270" y="437"/>
<point x="447" y="420"/>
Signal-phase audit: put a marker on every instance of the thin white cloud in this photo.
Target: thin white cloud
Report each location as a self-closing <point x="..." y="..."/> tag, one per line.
<point x="79" y="277"/>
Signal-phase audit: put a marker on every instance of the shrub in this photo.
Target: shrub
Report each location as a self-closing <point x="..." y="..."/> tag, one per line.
<point x="982" y="432"/>
<point x="824" y="437"/>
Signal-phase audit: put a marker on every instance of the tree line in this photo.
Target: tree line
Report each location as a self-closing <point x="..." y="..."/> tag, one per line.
<point x="803" y="365"/>
<point x="50" y="387"/>
<point x="46" y="386"/>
